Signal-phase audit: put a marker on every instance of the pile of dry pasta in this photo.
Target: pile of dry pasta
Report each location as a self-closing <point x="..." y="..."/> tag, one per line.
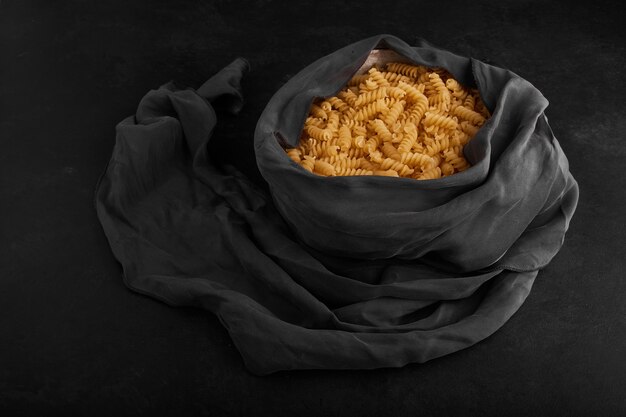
<point x="396" y="120"/>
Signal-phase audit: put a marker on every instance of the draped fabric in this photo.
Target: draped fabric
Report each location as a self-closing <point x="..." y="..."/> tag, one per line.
<point x="336" y="272"/>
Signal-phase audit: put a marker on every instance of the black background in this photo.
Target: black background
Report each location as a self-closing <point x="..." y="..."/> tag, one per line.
<point x="75" y="341"/>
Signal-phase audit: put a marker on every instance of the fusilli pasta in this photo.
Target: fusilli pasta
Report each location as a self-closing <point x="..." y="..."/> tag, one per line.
<point x="398" y="120"/>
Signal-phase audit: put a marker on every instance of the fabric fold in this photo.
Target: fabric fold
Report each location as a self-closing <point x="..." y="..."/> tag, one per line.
<point x="336" y="273"/>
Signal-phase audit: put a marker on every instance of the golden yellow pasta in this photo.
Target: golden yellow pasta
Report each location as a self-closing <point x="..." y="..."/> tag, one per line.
<point x="397" y="120"/>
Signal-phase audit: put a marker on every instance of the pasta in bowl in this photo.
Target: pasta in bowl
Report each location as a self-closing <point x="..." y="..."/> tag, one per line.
<point x="392" y="118"/>
<point x="477" y="167"/>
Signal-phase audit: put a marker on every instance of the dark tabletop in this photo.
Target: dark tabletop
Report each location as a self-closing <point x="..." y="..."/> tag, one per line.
<point x="75" y="341"/>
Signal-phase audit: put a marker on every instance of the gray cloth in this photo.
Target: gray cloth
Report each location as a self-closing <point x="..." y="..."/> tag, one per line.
<point x="337" y="272"/>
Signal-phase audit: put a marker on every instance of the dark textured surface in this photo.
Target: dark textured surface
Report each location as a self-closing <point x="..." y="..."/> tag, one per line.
<point x="74" y="339"/>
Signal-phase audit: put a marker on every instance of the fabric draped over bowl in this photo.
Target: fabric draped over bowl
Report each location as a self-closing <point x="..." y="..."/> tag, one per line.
<point x="337" y="272"/>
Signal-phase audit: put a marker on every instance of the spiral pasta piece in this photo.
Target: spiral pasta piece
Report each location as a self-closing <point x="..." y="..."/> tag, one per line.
<point x="438" y="120"/>
<point x="424" y="79"/>
<point x="348" y="96"/>
<point x="394" y="112"/>
<point x="368" y="165"/>
<point x="295" y="154"/>
<point x="454" y="104"/>
<point x="404" y="69"/>
<point x="439" y="85"/>
<point x="396" y="92"/>
<point x="339" y="104"/>
<point x="409" y="138"/>
<point x="455" y="88"/>
<point x="345" y="138"/>
<point x="354" y="153"/>
<point x="308" y="163"/>
<point x="323" y="149"/>
<point x="340" y="162"/>
<point x="389" y="102"/>
<point x="377" y="77"/>
<point x="417" y="110"/>
<point x="382" y="130"/>
<point x="468" y="128"/>
<point x="394" y="77"/>
<point x="418" y="160"/>
<point x="359" y="129"/>
<point x="431" y="174"/>
<point x="317" y="111"/>
<point x="324" y="168"/>
<point x="326" y="106"/>
<point x="469" y="115"/>
<point x="438" y="104"/>
<point x="435" y="146"/>
<point x="370" y="111"/>
<point x="347" y="117"/>
<point x="372" y="144"/>
<point x="455" y="160"/>
<point x="314" y="121"/>
<point x="371" y="96"/>
<point x="418" y="147"/>
<point x="376" y="157"/>
<point x="446" y="169"/>
<point x="413" y="95"/>
<point x="367" y="85"/>
<point x="390" y="151"/>
<point x="399" y="167"/>
<point x="319" y="133"/>
<point x="333" y="122"/>
<point x="469" y="102"/>
<point x="359" y="142"/>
